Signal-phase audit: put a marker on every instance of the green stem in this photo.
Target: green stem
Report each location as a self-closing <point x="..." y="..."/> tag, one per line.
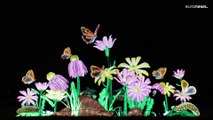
<point x="125" y="100"/>
<point x="109" y="82"/>
<point x="39" y="106"/>
<point x="166" y="109"/>
<point x="55" y="105"/>
<point x="78" y="85"/>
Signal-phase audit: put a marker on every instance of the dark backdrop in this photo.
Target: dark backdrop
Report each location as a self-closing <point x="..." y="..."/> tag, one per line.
<point x="163" y="34"/>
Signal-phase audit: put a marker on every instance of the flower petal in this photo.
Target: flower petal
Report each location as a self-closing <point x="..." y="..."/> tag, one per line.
<point x="124" y="65"/>
<point x="143" y="65"/>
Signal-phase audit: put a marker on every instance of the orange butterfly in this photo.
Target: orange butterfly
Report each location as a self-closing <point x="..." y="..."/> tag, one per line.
<point x="88" y="36"/>
<point x="29" y="77"/>
<point x="96" y="71"/>
<point x="160" y="73"/>
<point x="66" y="53"/>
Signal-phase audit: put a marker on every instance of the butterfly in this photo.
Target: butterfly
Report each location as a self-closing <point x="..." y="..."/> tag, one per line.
<point x="160" y="73"/>
<point x="29" y="77"/>
<point x="186" y="89"/>
<point x="88" y="36"/>
<point x="96" y="71"/>
<point x="66" y="53"/>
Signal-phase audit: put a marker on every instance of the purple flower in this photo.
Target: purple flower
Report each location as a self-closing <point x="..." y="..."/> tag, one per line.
<point x="57" y="82"/>
<point x="102" y="44"/>
<point x="29" y="97"/>
<point x="159" y="87"/>
<point x="182" y="96"/>
<point x="137" y="91"/>
<point x="76" y="67"/>
<point x="41" y="86"/>
<point x="126" y="77"/>
<point x="179" y="73"/>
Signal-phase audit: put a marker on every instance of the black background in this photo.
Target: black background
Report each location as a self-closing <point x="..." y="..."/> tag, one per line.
<point x="164" y="34"/>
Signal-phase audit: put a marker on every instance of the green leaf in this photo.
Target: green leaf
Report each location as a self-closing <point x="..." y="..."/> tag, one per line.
<point x="34" y="90"/>
<point x="48" y="100"/>
<point x="103" y="98"/>
<point x="116" y="96"/>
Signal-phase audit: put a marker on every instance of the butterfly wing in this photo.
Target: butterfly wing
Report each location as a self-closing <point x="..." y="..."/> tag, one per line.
<point x="88" y="36"/>
<point x="66" y="53"/>
<point x="184" y="84"/>
<point x="29" y="77"/>
<point x="157" y="74"/>
<point x="163" y="71"/>
<point x="191" y="90"/>
<point x="95" y="71"/>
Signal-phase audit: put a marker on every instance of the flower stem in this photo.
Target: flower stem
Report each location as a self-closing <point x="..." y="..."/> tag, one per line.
<point x="39" y="106"/>
<point x="109" y="82"/>
<point x="166" y="109"/>
<point x="78" y="85"/>
<point x="55" y="105"/>
<point x="125" y="100"/>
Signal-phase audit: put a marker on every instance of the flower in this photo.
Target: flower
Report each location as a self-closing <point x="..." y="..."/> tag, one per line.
<point x="133" y="65"/>
<point x="159" y="87"/>
<point x="139" y="89"/>
<point x="182" y="96"/>
<point x="55" y="94"/>
<point x="76" y="67"/>
<point x="57" y="82"/>
<point x="102" y="44"/>
<point x="126" y="77"/>
<point x="179" y="73"/>
<point x="30" y="97"/>
<point x="41" y="86"/>
<point x="107" y="73"/>
<point x="167" y="88"/>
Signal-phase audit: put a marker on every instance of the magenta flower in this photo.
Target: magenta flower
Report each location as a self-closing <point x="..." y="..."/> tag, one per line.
<point x="57" y="82"/>
<point x="182" y="96"/>
<point x="41" y="86"/>
<point x="102" y="44"/>
<point x="126" y="77"/>
<point x="179" y="73"/>
<point x="137" y="91"/>
<point x="159" y="87"/>
<point x="29" y="97"/>
<point x="76" y="67"/>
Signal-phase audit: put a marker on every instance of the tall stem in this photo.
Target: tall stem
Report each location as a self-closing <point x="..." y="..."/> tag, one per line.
<point x="167" y="109"/>
<point x="125" y="100"/>
<point x="109" y="82"/>
<point x="78" y="85"/>
<point x="55" y="105"/>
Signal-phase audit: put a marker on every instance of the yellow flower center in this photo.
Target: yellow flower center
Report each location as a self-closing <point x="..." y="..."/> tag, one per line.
<point x="74" y="57"/>
<point x="50" y="75"/>
<point x="137" y="90"/>
<point x="28" y="97"/>
<point x="132" y="67"/>
<point x="124" y="79"/>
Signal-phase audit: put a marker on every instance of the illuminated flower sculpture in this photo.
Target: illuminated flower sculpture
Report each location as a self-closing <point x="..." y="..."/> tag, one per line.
<point x="57" y="82"/>
<point x="137" y="91"/>
<point x="76" y="67"/>
<point x="168" y="88"/>
<point x="159" y="87"/>
<point x="105" y="43"/>
<point x="126" y="77"/>
<point x="133" y="65"/>
<point x="179" y="73"/>
<point x="41" y="86"/>
<point x="107" y="73"/>
<point x="28" y="97"/>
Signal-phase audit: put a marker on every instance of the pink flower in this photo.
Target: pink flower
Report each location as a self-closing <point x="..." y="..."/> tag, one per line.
<point x="179" y="73"/>
<point x="126" y="77"/>
<point x="29" y="97"/>
<point x="57" y="82"/>
<point x="137" y="91"/>
<point x="102" y="44"/>
<point x="41" y="86"/>
<point x="159" y="87"/>
<point x="76" y="67"/>
<point x="182" y="96"/>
